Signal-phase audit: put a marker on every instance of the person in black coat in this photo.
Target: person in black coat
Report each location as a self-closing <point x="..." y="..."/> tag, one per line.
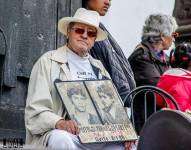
<point x="111" y="55"/>
<point x="149" y="61"/>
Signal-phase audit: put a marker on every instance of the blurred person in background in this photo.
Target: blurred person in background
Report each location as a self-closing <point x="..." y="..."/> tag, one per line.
<point x="149" y="61"/>
<point x="177" y="80"/>
<point x="110" y="53"/>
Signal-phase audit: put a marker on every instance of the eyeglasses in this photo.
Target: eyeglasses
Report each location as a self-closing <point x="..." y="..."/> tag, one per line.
<point x="81" y="31"/>
<point x="175" y="34"/>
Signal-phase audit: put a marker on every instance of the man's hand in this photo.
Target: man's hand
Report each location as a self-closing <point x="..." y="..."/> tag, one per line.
<point x="68" y="125"/>
<point x="128" y="145"/>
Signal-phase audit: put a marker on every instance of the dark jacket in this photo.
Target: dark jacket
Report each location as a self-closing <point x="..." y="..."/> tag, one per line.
<point x="147" y="67"/>
<point x="117" y="65"/>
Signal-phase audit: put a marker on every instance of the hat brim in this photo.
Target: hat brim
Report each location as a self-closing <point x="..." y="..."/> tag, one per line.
<point x="64" y="22"/>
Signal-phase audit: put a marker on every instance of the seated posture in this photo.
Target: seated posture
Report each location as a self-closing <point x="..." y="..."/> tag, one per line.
<point x="177" y="81"/>
<point x="46" y="120"/>
<point x="148" y="60"/>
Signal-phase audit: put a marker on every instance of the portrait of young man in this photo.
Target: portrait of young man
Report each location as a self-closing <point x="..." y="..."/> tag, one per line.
<point x="107" y="102"/>
<point x="81" y="102"/>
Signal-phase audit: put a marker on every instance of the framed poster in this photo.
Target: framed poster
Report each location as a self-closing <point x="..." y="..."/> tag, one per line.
<point x="97" y="108"/>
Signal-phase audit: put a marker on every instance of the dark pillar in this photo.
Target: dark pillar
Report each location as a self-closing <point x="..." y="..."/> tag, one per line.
<point x="28" y="28"/>
<point x="182" y="12"/>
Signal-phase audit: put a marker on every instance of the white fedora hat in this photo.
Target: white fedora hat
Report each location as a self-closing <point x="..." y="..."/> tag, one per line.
<point x="85" y="16"/>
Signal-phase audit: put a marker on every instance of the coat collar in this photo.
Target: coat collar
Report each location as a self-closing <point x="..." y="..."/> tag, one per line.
<point x="60" y="56"/>
<point x="155" y="54"/>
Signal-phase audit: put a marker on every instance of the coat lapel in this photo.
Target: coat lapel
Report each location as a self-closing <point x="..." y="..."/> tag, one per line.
<point x="60" y="56"/>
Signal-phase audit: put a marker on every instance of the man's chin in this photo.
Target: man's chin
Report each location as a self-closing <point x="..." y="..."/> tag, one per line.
<point x="103" y="12"/>
<point x="84" y="51"/>
<point x="83" y="47"/>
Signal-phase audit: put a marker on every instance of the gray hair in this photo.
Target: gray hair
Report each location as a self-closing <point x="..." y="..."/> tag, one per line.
<point x="157" y="24"/>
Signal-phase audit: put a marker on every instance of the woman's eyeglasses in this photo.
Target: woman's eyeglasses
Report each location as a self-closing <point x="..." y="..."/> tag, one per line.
<point x="81" y="31"/>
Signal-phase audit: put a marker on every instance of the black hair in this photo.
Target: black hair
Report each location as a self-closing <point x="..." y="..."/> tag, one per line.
<point x="181" y="56"/>
<point x="105" y="90"/>
<point x="84" y="3"/>
<point x="75" y="91"/>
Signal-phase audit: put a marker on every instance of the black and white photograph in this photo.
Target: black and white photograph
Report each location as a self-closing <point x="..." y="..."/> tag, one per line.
<point x="107" y="102"/>
<point x="97" y="109"/>
<point x="78" y="103"/>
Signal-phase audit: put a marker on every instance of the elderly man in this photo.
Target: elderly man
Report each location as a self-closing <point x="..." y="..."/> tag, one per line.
<point x="45" y="116"/>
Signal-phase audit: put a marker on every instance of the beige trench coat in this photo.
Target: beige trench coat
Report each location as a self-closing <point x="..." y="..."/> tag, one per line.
<point x="43" y="106"/>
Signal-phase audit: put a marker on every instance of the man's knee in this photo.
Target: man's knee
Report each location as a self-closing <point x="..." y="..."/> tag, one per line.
<point x="61" y="139"/>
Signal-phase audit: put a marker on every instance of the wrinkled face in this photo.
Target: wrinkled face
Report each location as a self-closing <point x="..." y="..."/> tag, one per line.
<point x="81" y="38"/>
<point x="79" y="102"/>
<point x="101" y="6"/>
<point x="105" y="99"/>
<point x="167" y="41"/>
